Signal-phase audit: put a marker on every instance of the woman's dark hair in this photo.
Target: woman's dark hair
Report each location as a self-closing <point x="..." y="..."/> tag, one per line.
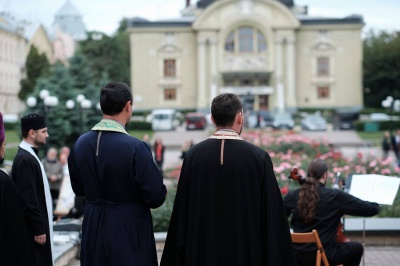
<point x="308" y="195"/>
<point x="114" y="96"/>
<point x="224" y="109"/>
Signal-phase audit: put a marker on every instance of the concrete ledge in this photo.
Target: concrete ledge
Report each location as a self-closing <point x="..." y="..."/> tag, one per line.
<point x="378" y="231"/>
<point x="69" y="252"/>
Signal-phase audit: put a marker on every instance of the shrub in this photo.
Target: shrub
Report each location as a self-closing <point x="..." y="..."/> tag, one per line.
<point x="138" y="125"/>
<point x="162" y="215"/>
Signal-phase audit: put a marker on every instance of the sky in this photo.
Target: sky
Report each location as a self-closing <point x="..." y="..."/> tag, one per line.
<point x="104" y="15"/>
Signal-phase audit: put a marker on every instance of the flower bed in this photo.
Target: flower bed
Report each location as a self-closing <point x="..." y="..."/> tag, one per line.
<point x="290" y="151"/>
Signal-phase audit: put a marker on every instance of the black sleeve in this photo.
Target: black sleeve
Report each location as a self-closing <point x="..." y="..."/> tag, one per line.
<point x="354" y="206"/>
<point x="290" y="203"/>
<point x="26" y="182"/>
<point x="74" y="176"/>
<point x="14" y="225"/>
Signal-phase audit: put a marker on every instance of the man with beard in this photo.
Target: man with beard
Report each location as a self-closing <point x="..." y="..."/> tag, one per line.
<point x="33" y="189"/>
<point x="13" y="237"/>
<point x="228" y="208"/>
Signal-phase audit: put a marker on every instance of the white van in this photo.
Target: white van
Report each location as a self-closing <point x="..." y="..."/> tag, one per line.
<point x="164" y="119"/>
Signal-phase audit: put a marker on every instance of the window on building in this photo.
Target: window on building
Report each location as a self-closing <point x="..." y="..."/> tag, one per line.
<point x="246" y="82"/>
<point x="230" y="42"/>
<point x="169" y="94"/>
<point x="169" y="68"/>
<point x="323" y="92"/>
<point x="249" y="40"/>
<point x="245" y="39"/>
<point x="261" y="42"/>
<point x="323" y="66"/>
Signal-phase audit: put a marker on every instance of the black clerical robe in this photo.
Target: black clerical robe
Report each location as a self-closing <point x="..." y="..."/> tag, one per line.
<point x="13" y="236"/>
<point x="121" y="182"/>
<point x="228" y="209"/>
<point x="27" y="176"/>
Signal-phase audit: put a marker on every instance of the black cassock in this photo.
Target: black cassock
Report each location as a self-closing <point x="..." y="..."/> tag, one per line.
<point x="229" y="214"/>
<point x="121" y="184"/>
<point x="27" y="175"/>
<point x="13" y="236"/>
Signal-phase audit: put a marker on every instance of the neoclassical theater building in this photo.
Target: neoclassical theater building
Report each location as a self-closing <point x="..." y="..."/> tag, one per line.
<point x="270" y="50"/>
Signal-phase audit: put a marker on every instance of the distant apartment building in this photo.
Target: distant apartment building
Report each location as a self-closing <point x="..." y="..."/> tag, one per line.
<point x="12" y="60"/>
<point x="271" y="50"/>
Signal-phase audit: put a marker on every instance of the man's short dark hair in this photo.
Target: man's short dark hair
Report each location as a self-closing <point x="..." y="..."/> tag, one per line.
<point x="224" y="109"/>
<point x="114" y="96"/>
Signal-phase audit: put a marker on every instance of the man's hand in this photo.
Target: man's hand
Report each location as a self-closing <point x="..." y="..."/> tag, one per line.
<point x="53" y="178"/>
<point x="41" y="240"/>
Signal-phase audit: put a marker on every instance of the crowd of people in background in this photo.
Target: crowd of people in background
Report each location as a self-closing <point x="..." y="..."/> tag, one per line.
<point x="391" y="143"/>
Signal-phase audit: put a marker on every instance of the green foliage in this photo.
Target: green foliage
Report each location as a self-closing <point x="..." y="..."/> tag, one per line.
<point x="162" y="215"/>
<point x="109" y="56"/>
<point x="37" y="65"/>
<point x="66" y="125"/>
<point x="382" y="125"/>
<point x="138" y="125"/>
<point x="381" y="67"/>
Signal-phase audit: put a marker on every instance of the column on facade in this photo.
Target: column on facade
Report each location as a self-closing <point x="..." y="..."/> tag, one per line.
<point x="201" y="87"/>
<point x="213" y="69"/>
<point x="290" y="73"/>
<point x="280" y="99"/>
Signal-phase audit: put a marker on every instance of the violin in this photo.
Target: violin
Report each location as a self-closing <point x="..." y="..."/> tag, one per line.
<point x="340" y="236"/>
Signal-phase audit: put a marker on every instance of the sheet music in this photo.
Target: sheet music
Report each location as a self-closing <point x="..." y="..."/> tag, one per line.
<point x="375" y="188"/>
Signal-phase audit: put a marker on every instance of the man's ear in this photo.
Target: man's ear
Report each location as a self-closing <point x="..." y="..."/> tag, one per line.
<point x="129" y="106"/>
<point x="239" y="118"/>
<point x="212" y="119"/>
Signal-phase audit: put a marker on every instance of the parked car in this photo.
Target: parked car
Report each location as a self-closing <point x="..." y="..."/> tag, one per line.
<point x="313" y="122"/>
<point x="195" y="121"/>
<point x="283" y="121"/>
<point x="254" y="120"/>
<point x="267" y="117"/>
<point x="379" y="117"/>
<point x="164" y="119"/>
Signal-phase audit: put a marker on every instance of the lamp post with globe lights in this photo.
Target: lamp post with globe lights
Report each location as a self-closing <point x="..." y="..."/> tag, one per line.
<point x="47" y="99"/>
<point x="82" y="104"/>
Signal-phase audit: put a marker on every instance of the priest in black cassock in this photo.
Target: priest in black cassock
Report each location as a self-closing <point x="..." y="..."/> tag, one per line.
<point x="228" y="208"/>
<point x="33" y="188"/>
<point x="121" y="182"/>
<point x="13" y="236"/>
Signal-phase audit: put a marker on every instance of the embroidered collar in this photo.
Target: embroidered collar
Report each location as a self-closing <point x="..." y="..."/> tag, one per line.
<point x="109" y="125"/>
<point x="226" y="134"/>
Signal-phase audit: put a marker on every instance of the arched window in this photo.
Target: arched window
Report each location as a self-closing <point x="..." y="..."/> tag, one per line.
<point x="261" y="42"/>
<point x="230" y="42"/>
<point x="245" y="39"/>
<point x="248" y="39"/>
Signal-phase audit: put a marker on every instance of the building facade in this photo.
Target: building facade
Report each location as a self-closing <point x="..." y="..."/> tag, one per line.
<point x="268" y="50"/>
<point x="12" y="62"/>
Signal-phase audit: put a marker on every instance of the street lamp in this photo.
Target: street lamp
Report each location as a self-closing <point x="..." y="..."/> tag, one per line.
<point x="48" y="101"/>
<point x="82" y="104"/>
<point x="393" y="105"/>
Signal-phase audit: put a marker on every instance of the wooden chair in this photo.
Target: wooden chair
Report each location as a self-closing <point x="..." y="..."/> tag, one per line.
<point x="312" y="237"/>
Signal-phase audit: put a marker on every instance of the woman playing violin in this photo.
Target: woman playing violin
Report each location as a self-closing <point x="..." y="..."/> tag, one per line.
<point x="316" y="207"/>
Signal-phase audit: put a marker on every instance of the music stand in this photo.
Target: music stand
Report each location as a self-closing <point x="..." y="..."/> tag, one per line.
<point x="375" y="188"/>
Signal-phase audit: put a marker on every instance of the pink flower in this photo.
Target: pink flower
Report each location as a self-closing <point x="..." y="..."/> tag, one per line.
<point x="385" y="171"/>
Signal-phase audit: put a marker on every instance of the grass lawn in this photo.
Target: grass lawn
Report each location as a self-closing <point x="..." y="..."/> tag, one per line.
<point x="373" y="137"/>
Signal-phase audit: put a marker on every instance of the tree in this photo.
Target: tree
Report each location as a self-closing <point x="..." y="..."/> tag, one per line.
<point x="109" y="55"/>
<point x="66" y="125"/>
<point x="37" y="65"/>
<point x="381" y="67"/>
